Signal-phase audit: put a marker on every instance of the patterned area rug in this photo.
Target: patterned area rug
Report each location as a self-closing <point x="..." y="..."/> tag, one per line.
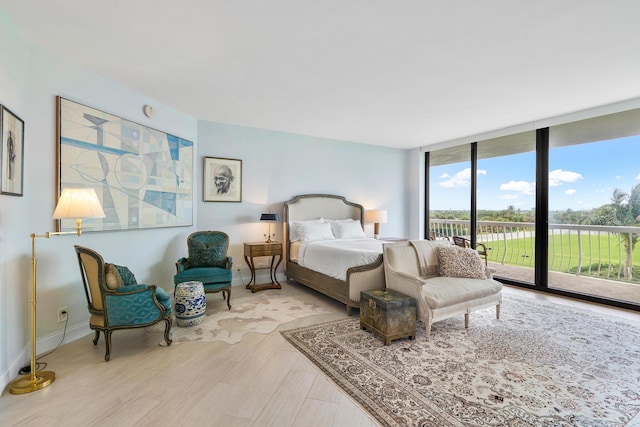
<point x="539" y="365"/>
<point x="258" y="313"/>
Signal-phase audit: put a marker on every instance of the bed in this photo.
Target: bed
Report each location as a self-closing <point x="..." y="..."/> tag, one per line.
<point x="344" y="282"/>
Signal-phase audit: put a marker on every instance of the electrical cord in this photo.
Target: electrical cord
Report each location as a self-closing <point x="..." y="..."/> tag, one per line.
<point x="241" y="278"/>
<point x="26" y="370"/>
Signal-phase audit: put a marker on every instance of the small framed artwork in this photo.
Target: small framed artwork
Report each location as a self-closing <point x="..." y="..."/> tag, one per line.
<point x="12" y="131"/>
<point x="222" y="180"/>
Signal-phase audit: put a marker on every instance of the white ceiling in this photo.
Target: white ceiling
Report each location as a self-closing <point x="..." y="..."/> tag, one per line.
<point x="387" y="72"/>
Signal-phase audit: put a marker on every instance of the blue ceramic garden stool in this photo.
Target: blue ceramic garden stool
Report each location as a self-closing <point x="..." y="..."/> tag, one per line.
<point x="190" y="304"/>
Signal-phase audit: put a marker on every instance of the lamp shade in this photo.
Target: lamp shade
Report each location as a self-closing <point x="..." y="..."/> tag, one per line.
<point x="269" y="217"/>
<point x="376" y="216"/>
<point x="78" y="203"/>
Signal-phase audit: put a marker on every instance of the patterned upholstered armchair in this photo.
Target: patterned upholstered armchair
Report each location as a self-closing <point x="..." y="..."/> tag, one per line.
<point x="207" y="263"/>
<point x="117" y="301"/>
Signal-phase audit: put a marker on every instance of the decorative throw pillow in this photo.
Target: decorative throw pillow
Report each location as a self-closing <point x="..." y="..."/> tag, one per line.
<point x="210" y="253"/>
<point x="114" y="281"/>
<point x="126" y="276"/>
<point x="455" y="261"/>
<point x="314" y="231"/>
<point x="347" y="230"/>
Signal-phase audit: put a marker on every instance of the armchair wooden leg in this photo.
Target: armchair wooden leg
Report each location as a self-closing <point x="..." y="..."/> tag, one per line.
<point x="228" y="297"/>
<point x="498" y="311"/>
<point x="96" y="337"/>
<point x="107" y="339"/>
<point x="466" y="320"/>
<point x="167" y="331"/>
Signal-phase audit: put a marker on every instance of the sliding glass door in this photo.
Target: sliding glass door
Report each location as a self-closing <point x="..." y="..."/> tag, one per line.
<point x="594" y="207"/>
<point x="577" y="183"/>
<point x="506" y="204"/>
<point x="449" y="192"/>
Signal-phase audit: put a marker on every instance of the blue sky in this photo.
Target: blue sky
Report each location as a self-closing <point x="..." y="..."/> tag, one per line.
<point x="581" y="177"/>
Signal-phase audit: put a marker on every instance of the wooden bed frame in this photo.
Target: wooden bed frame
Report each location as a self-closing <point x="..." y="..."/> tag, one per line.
<point x="360" y="278"/>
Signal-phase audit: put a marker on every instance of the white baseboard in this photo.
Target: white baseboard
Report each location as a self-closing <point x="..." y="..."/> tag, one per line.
<point x="48" y="343"/>
<point x="43" y="345"/>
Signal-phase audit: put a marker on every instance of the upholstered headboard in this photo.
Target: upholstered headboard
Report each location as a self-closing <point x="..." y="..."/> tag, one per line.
<point x="313" y="206"/>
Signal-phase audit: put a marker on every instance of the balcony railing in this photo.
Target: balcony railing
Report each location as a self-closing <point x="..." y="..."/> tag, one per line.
<point x="588" y="250"/>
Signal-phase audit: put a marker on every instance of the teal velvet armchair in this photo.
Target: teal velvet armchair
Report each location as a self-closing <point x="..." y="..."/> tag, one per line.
<point x="207" y="262"/>
<point x="116" y="301"/>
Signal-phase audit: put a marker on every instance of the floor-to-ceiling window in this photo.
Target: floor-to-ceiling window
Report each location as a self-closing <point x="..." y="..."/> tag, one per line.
<point x="594" y="206"/>
<point x="577" y="183"/>
<point x="450" y="191"/>
<point x="506" y="204"/>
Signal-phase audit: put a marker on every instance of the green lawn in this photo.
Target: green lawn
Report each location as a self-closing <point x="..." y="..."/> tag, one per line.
<point x="601" y="255"/>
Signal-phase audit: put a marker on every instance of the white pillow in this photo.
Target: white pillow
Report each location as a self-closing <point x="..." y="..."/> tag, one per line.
<point x="339" y="220"/>
<point x="293" y="233"/>
<point x="348" y="230"/>
<point x="314" y="231"/>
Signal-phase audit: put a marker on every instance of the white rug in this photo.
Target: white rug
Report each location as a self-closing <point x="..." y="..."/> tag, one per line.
<point x="258" y="313"/>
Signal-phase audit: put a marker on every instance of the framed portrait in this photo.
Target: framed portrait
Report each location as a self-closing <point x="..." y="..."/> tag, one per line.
<point x="142" y="176"/>
<point x="222" y="180"/>
<point x="12" y="170"/>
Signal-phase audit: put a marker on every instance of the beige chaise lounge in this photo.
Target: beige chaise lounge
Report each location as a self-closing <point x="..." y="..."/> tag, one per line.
<point x="412" y="269"/>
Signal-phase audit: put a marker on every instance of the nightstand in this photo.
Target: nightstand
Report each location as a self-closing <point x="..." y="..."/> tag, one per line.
<point x="260" y="249"/>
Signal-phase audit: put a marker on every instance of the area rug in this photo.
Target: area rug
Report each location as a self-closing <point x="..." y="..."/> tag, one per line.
<point x="539" y="365"/>
<point x="257" y="313"/>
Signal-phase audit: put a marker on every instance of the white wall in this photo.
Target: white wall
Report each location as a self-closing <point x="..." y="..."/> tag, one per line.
<point x="14" y="211"/>
<point x="276" y="167"/>
<point x="30" y="79"/>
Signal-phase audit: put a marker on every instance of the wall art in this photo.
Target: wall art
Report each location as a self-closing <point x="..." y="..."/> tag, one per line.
<point x="12" y="170"/>
<point x="222" y="180"/>
<point x="142" y="176"/>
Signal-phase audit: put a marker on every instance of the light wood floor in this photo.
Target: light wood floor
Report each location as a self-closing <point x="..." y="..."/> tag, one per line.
<point x="261" y="381"/>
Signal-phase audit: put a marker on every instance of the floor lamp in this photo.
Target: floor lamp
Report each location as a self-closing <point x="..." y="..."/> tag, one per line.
<point x="75" y="203"/>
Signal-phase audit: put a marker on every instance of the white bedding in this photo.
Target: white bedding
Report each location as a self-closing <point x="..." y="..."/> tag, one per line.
<point x="334" y="257"/>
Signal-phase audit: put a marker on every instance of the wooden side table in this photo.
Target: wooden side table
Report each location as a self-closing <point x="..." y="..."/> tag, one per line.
<point x="259" y="249"/>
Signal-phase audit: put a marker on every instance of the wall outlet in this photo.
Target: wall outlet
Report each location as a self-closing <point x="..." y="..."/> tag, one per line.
<point x="63" y="312"/>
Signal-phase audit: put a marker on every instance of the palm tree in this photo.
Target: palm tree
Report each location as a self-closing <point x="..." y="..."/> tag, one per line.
<point x="626" y="209"/>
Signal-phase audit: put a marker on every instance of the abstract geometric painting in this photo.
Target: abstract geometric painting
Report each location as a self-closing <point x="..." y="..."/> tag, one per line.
<point x="143" y="177"/>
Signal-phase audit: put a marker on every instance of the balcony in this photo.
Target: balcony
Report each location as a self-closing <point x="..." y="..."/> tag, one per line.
<point x="588" y="260"/>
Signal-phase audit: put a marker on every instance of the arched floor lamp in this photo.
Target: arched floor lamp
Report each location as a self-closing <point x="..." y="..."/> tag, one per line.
<point x="75" y="203"/>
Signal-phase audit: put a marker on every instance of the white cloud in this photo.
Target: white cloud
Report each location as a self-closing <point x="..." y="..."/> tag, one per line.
<point x="460" y="179"/>
<point x="638" y="176"/>
<point x="444" y="175"/>
<point x="570" y="191"/>
<point x="558" y="177"/>
<point x="519" y="186"/>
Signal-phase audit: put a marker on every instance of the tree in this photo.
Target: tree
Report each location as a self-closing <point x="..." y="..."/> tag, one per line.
<point x="626" y="212"/>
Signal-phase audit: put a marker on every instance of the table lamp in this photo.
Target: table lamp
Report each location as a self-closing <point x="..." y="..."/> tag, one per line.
<point x="269" y="217"/>
<point x="377" y="217"/>
<point x="74" y="203"/>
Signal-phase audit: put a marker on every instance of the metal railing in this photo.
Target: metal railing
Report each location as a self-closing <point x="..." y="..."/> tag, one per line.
<point x="590" y="250"/>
